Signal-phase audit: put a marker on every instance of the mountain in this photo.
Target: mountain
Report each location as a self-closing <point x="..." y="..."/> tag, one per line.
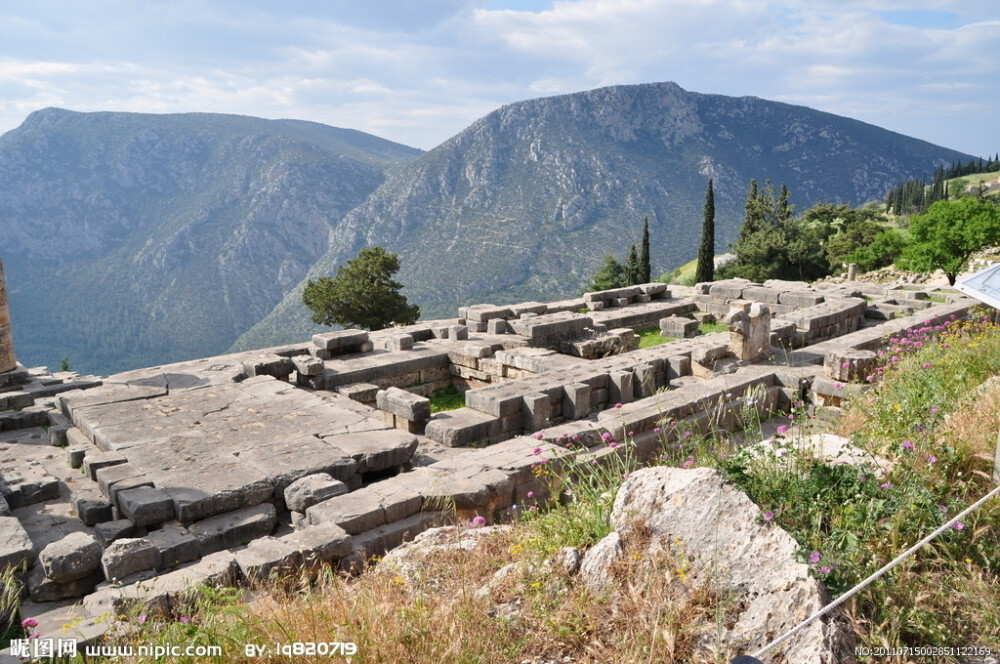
<point x="132" y="239"/>
<point x="525" y="202"/>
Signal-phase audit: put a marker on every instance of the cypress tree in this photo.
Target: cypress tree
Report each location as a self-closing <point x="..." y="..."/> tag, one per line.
<point x="632" y="269"/>
<point x="706" y="252"/>
<point x="645" y="269"/>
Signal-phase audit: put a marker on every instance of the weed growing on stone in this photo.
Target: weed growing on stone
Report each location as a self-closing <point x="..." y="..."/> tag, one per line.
<point x="447" y="398"/>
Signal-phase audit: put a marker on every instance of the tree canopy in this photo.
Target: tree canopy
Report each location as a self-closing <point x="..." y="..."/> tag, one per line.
<point x="362" y="294"/>
<point x="947" y="235"/>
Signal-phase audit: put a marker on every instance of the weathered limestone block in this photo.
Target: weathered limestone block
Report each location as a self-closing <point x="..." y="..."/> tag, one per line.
<point x="341" y="341"/>
<point x="464" y="426"/>
<point x="684" y="511"/>
<point x="146" y="506"/>
<point x="125" y="557"/>
<point x="536" y="409"/>
<point x="849" y="365"/>
<point x="320" y="543"/>
<point x="92" y="508"/>
<point x="307" y="365"/>
<point x="174" y="545"/>
<point x="677" y="366"/>
<point x="275" y="366"/>
<point x="621" y="387"/>
<point x="266" y="556"/>
<point x="458" y="332"/>
<point x="676" y="326"/>
<point x="234" y="528"/>
<point x="576" y="401"/>
<point x="355" y="512"/>
<point x="497" y="326"/>
<point x="399" y="342"/>
<point x="486" y="312"/>
<point x="109" y="531"/>
<point x="73" y="557"/>
<point x="750" y="333"/>
<point x="404" y="404"/>
<point x="303" y="493"/>
<point x="43" y="589"/>
<point x="94" y="461"/>
<point x="800" y="299"/>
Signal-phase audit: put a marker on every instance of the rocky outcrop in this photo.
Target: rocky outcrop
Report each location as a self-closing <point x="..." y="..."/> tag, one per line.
<point x="695" y="516"/>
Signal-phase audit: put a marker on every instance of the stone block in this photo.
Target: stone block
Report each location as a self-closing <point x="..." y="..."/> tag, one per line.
<point x="678" y="327"/>
<point x="849" y="365"/>
<point x="621" y="387"/>
<point x="496" y="326"/>
<point x="43" y="589"/>
<point x="458" y="332"/>
<point x="112" y="479"/>
<point x="94" y="461"/>
<point x="486" y="313"/>
<point x="800" y="299"/>
<point x="275" y="366"/>
<point x="355" y="512"/>
<point x="677" y="366"/>
<point x="360" y="392"/>
<point x="109" y="531"/>
<point x="536" y="411"/>
<point x="73" y="557"/>
<point x="399" y="342"/>
<point x="463" y="426"/>
<point x="728" y="290"/>
<point x="341" y="341"/>
<point x="576" y="401"/>
<point x="75" y="455"/>
<point x="307" y="365"/>
<point x="234" y="528"/>
<point x="146" y="506"/>
<point x="174" y="545"/>
<point x="268" y="556"/>
<point x="326" y="543"/>
<point x="92" y="509"/>
<point x="125" y="557"/>
<point x="404" y="404"/>
<point x="303" y="493"/>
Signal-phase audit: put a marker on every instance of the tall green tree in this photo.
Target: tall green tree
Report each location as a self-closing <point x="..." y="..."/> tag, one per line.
<point x="705" y="270"/>
<point x="633" y="271"/>
<point x="362" y="294"/>
<point x="949" y="233"/>
<point x="610" y="275"/>
<point x="645" y="268"/>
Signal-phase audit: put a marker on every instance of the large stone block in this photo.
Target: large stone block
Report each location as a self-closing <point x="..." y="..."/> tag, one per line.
<point x="341" y="341"/>
<point x="234" y="528"/>
<point x="576" y="401"/>
<point x="146" y="506"/>
<point x="536" y="411"/>
<point x="678" y="327"/>
<point x="268" y="556"/>
<point x="404" y="404"/>
<point x="174" y="545"/>
<point x="303" y="493"/>
<point x="125" y="557"/>
<point x="73" y="557"/>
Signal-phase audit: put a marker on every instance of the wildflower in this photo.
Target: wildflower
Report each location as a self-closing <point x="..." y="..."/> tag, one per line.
<point x="845" y="365"/>
<point x="825" y="569"/>
<point x="934" y="410"/>
<point x="931" y="458"/>
<point x="687" y="464"/>
<point x="815" y="557"/>
<point x="34" y="635"/>
<point x="768" y="515"/>
<point x="539" y="436"/>
<point x="885" y="485"/>
<point x="631" y="433"/>
<point x="141" y="619"/>
<point x="29" y="622"/>
<point x="186" y="619"/>
<point x="607" y="437"/>
<point x="536" y="451"/>
<point x="958" y="525"/>
<point x="782" y="429"/>
<point x="926" y="365"/>
<point x="618" y="405"/>
<point x="687" y="434"/>
<point x="942" y="508"/>
<point x="477" y="522"/>
<point x="862" y="479"/>
<point x="612" y="444"/>
<point x="530" y="494"/>
<point x="908" y="445"/>
<point x="656" y="430"/>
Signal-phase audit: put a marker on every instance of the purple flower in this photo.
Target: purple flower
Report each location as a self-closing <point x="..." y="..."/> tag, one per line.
<point x="477" y="522"/>
<point x="618" y="405"/>
<point x="186" y="619"/>
<point x="958" y="525"/>
<point x="908" y="445"/>
<point x="656" y="430"/>
<point x="530" y="494"/>
<point x="29" y="622"/>
<point x="885" y="485"/>
<point x="815" y="557"/>
<point x="782" y="429"/>
<point x="768" y="515"/>
<point x="934" y="410"/>
<point x="539" y="436"/>
<point x="607" y="437"/>
<point x="926" y="365"/>
<point x="825" y="569"/>
<point x="141" y="619"/>
<point x="686" y="434"/>
<point x="931" y="458"/>
<point x="612" y="444"/>
<point x="536" y="451"/>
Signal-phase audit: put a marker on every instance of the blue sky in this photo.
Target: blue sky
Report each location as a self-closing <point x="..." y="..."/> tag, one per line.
<point x="419" y="71"/>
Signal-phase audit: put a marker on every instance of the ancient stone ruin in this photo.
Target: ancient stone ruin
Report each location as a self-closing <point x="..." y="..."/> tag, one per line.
<point x="127" y="489"/>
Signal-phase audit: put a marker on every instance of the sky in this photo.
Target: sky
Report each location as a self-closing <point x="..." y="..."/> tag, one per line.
<point x="419" y="71"/>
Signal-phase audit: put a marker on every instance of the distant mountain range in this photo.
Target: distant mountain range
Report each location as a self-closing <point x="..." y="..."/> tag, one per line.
<point x="132" y="240"/>
<point x="524" y="203"/>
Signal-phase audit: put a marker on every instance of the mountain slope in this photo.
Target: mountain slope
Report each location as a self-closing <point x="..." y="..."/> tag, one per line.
<point x="524" y="203"/>
<point x="134" y="239"/>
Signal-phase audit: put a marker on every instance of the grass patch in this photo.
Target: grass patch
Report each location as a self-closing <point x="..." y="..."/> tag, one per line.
<point x="650" y="338"/>
<point x="447" y="398"/>
<point x="707" y="328"/>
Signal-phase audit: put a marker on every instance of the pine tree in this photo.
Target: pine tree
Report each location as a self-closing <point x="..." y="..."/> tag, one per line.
<point x="645" y="269"/>
<point x="610" y="275"/>
<point x="706" y="252"/>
